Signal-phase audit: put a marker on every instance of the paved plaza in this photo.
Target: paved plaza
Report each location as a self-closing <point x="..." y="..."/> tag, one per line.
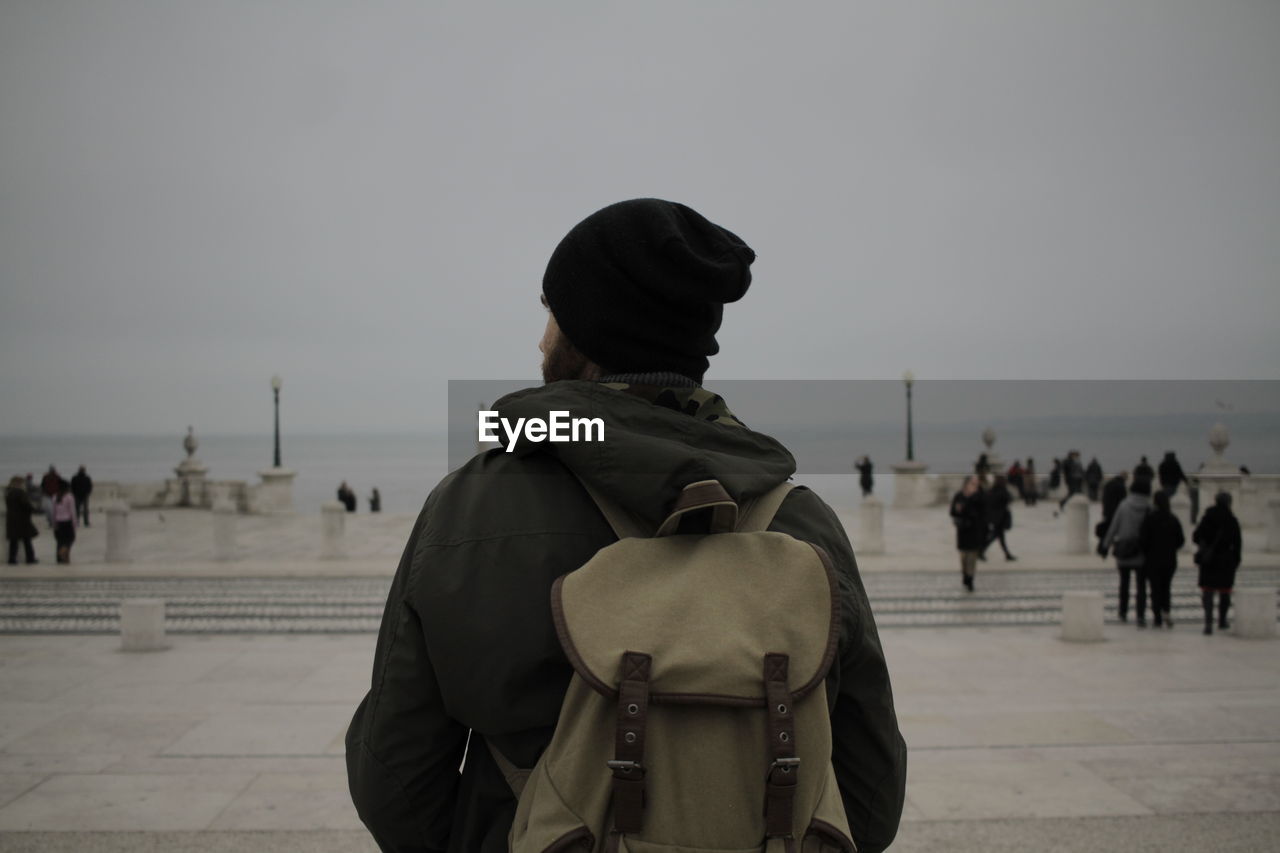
<point x="234" y="741"/>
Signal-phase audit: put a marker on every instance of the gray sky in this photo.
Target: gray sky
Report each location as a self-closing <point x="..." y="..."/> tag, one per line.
<point x="363" y="196"/>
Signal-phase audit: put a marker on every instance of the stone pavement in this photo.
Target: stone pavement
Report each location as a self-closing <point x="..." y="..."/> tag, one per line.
<point x="1017" y="741"/>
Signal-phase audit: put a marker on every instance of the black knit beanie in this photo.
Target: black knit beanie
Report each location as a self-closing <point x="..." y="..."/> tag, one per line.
<point x="640" y="286"/>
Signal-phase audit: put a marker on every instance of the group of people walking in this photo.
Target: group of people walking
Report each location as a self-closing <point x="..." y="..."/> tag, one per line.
<point x="64" y="504"/>
<point x="347" y="497"/>
<point x="1144" y="535"/>
<point x="981" y="517"/>
<point x="1138" y="528"/>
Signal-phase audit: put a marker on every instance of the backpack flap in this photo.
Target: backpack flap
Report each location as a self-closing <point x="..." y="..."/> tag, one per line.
<point x="706" y="610"/>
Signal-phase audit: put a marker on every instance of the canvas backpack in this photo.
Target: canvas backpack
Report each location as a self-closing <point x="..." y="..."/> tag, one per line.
<point x="696" y="718"/>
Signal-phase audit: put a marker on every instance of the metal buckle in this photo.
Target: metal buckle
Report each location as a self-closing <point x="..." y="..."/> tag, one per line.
<point x="623" y="766"/>
<point x="786" y="765"/>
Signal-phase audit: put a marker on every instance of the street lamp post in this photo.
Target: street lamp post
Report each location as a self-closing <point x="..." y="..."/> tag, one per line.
<point x="909" y="379"/>
<point x="275" y="390"/>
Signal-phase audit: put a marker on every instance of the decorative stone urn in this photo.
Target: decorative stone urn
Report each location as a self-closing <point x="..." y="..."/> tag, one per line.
<point x="191" y="473"/>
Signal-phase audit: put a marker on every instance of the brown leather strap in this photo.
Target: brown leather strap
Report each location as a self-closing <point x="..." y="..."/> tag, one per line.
<point x="780" y="786"/>
<point x="704" y="494"/>
<point x="628" y="748"/>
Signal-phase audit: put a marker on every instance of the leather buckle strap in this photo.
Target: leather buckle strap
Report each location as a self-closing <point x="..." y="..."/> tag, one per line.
<point x="780" y="785"/>
<point x="628" y="749"/>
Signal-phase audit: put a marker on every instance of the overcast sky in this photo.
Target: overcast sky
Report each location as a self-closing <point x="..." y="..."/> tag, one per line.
<point x="363" y="196"/>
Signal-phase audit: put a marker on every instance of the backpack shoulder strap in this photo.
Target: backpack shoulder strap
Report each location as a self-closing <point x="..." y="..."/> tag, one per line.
<point x="515" y="776"/>
<point x="624" y="523"/>
<point x="760" y="510"/>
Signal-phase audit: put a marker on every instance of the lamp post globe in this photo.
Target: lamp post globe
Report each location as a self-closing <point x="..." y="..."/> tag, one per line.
<point x="276" y="382"/>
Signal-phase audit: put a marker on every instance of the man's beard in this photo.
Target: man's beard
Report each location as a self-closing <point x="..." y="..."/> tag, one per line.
<point x="565" y="361"/>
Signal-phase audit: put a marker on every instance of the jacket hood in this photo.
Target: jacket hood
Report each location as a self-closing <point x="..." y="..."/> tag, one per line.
<point x="656" y="442"/>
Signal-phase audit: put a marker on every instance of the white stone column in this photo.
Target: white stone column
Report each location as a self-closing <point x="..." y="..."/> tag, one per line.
<point x="1255" y="616"/>
<point x="1076" y="512"/>
<point x="1082" y="616"/>
<point x="910" y="485"/>
<point x="118" y="534"/>
<point x="1180" y="506"/>
<point x="224" y="531"/>
<point x="333" y="519"/>
<point x="1273" y="523"/>
<point x="871" y="526"/>
<point x="142" y="625"/>
<point x="275" y="493"/>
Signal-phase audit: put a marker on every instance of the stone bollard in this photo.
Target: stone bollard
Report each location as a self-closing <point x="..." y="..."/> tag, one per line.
<point x="1255" y="616"/>
<point x="333" y="519"/>
<point x="142" y="625"/>
<point x="1273" y="523"/>
<point x="871" y="526"/>
<point x="1082" y="616"/>
<point x="118" y="533"/>
<point x="224" y="531"/>
<point x="1077" y="514"/>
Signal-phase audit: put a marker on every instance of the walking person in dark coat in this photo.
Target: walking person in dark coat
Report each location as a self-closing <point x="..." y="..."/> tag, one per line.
<point x="375" y="500"/>
<point x="969" y="515"/>
<point x="1055" y="474"/>
<point x="865" y="477"/>
<point x="1144" y="471"/>
<point x="1125" y="536"/>
<point x="1171" y="474"/>
<point x="81" y="488"/>
<point x="999" y="517"/>
<point x="17" y="521"/>
<point x="1161" y="538"/>
<point x="1218" y="535"/>
<point x="1093" y="478"/>
<point x="1112" y="494"/>
<point x="1073" y="476"/>
<point x="49" y="490"/>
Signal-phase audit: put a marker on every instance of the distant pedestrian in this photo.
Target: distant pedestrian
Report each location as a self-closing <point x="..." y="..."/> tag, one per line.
<point x="347" y="497"/>
<point x="375" y="501"/>
<point x="1124" y="538"/>
<point x="81" y="488"/>
<point x="1073" y="476"/>
<point x="1161" y="538"/>
<point x="969" y="515"/>
<point x="1093" y="478"/>
<point x="866" y="477"/>
<point x="1144" y="471"/>
<point x="17" y="522"/>
<point x="1171" y="474"/>
<point x="982" y="467"/>
<point x="1055" y="474"/>
<point x="64" y="521"/>
<point x="999" y="517"/>
<point x="1014" y="476"/>
<point x="1218" y="557"/>
<point x="49" y="490"/>
<point x="1030" y="488"/>
<point x="1112" y="494"/>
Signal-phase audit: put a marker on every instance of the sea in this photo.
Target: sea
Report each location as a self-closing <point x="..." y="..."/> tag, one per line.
<point x="405" y="466"/>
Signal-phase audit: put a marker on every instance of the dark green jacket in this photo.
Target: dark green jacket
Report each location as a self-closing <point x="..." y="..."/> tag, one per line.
<point x="468" y="650"/>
